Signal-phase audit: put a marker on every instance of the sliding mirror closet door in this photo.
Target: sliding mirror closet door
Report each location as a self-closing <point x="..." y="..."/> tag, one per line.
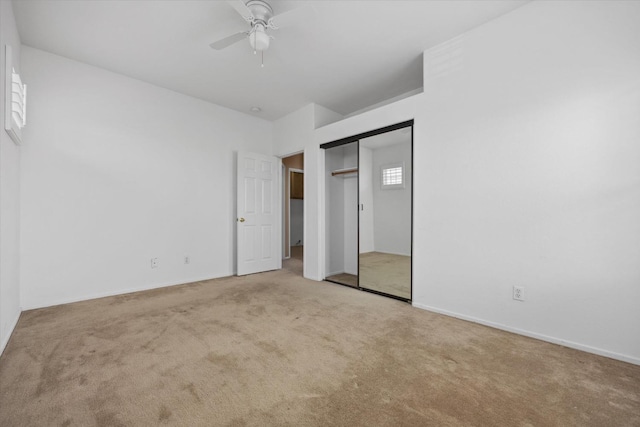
<point x="341" y="204"/>
<point x="385" y="213"/>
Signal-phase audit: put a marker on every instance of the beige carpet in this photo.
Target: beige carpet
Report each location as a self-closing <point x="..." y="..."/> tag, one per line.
<point x="345" y="279"/>
<point x="276" y="349"/>
<point x="294" y="263"/>
<point x="386" y="273"/>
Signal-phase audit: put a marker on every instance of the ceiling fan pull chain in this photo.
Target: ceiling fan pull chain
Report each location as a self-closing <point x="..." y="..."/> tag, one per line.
<point x="262" y="53"/>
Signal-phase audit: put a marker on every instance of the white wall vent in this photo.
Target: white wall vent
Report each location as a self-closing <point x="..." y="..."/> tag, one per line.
<point x="15" y="100"/>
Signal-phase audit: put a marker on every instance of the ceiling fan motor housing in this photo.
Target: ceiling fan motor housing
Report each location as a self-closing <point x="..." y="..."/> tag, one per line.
<point x="261" y="11"/>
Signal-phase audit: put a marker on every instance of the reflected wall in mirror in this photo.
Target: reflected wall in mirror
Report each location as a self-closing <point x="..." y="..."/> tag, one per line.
<point x="385" y="213"/>
<point x="341" y="204"/>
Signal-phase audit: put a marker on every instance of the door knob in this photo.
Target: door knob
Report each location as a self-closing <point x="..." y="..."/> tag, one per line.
<point x="241" y="219"/>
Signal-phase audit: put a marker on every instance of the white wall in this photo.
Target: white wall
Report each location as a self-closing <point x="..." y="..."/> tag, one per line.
<point x="527" y="173"/>
<point x="365" y="178"/>
<point x="116" y="171"/>
<point x="9" y="190"/>
<point x="293" y="131"/>
<point x="392" y="217"/>
<point x="385" y="102"/>
<point x="322" y="116"/>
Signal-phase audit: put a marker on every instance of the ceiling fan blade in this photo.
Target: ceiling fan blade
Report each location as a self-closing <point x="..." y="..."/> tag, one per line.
<point x="293" y="16"/>
<point x="228" y="41"/>
<point x="242" y="9"/>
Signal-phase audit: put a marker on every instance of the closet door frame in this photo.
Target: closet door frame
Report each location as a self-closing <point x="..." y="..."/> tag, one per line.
<point x="357" y="138"/>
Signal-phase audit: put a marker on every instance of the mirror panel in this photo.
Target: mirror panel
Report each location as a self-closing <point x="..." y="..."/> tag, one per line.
<point x="385" y="181"/>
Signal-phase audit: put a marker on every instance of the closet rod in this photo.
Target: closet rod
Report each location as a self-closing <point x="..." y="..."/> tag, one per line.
<point x="344" y="171"/>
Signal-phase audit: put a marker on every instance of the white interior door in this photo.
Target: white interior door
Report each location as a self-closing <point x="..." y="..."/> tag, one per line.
<point x="258" y="222"/>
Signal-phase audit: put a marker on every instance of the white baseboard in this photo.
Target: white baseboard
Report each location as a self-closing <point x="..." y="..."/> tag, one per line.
<point x="6" y="339"/>
<point x="542" y="337"/>
<point x="114" y="293"/>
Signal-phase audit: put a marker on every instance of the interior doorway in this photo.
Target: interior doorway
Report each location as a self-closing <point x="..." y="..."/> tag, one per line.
<point x="293" y="213"/>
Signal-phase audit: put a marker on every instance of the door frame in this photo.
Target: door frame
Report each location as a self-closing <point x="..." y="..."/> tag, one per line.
<point x="284" y="179"/>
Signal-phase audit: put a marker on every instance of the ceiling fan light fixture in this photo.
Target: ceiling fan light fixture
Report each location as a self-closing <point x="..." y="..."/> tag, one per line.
<point x="259" y="39"/>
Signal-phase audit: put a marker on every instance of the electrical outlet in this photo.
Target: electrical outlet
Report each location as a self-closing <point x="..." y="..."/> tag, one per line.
<point x="187" y="260"/>
<point x="518" y="293"/>
<point x="154" y="262"/>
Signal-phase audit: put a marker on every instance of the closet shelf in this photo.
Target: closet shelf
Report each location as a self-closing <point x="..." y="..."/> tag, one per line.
<point x="345" y="173"/>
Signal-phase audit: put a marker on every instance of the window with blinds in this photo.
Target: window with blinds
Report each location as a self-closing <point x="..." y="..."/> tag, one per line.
<point x="393" y="176"/>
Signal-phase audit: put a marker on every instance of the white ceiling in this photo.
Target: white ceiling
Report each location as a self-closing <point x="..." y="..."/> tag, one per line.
<point x="349" y="55"/>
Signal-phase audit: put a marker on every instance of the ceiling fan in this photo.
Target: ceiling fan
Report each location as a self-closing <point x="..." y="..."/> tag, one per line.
<point x="259" y="15"/>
